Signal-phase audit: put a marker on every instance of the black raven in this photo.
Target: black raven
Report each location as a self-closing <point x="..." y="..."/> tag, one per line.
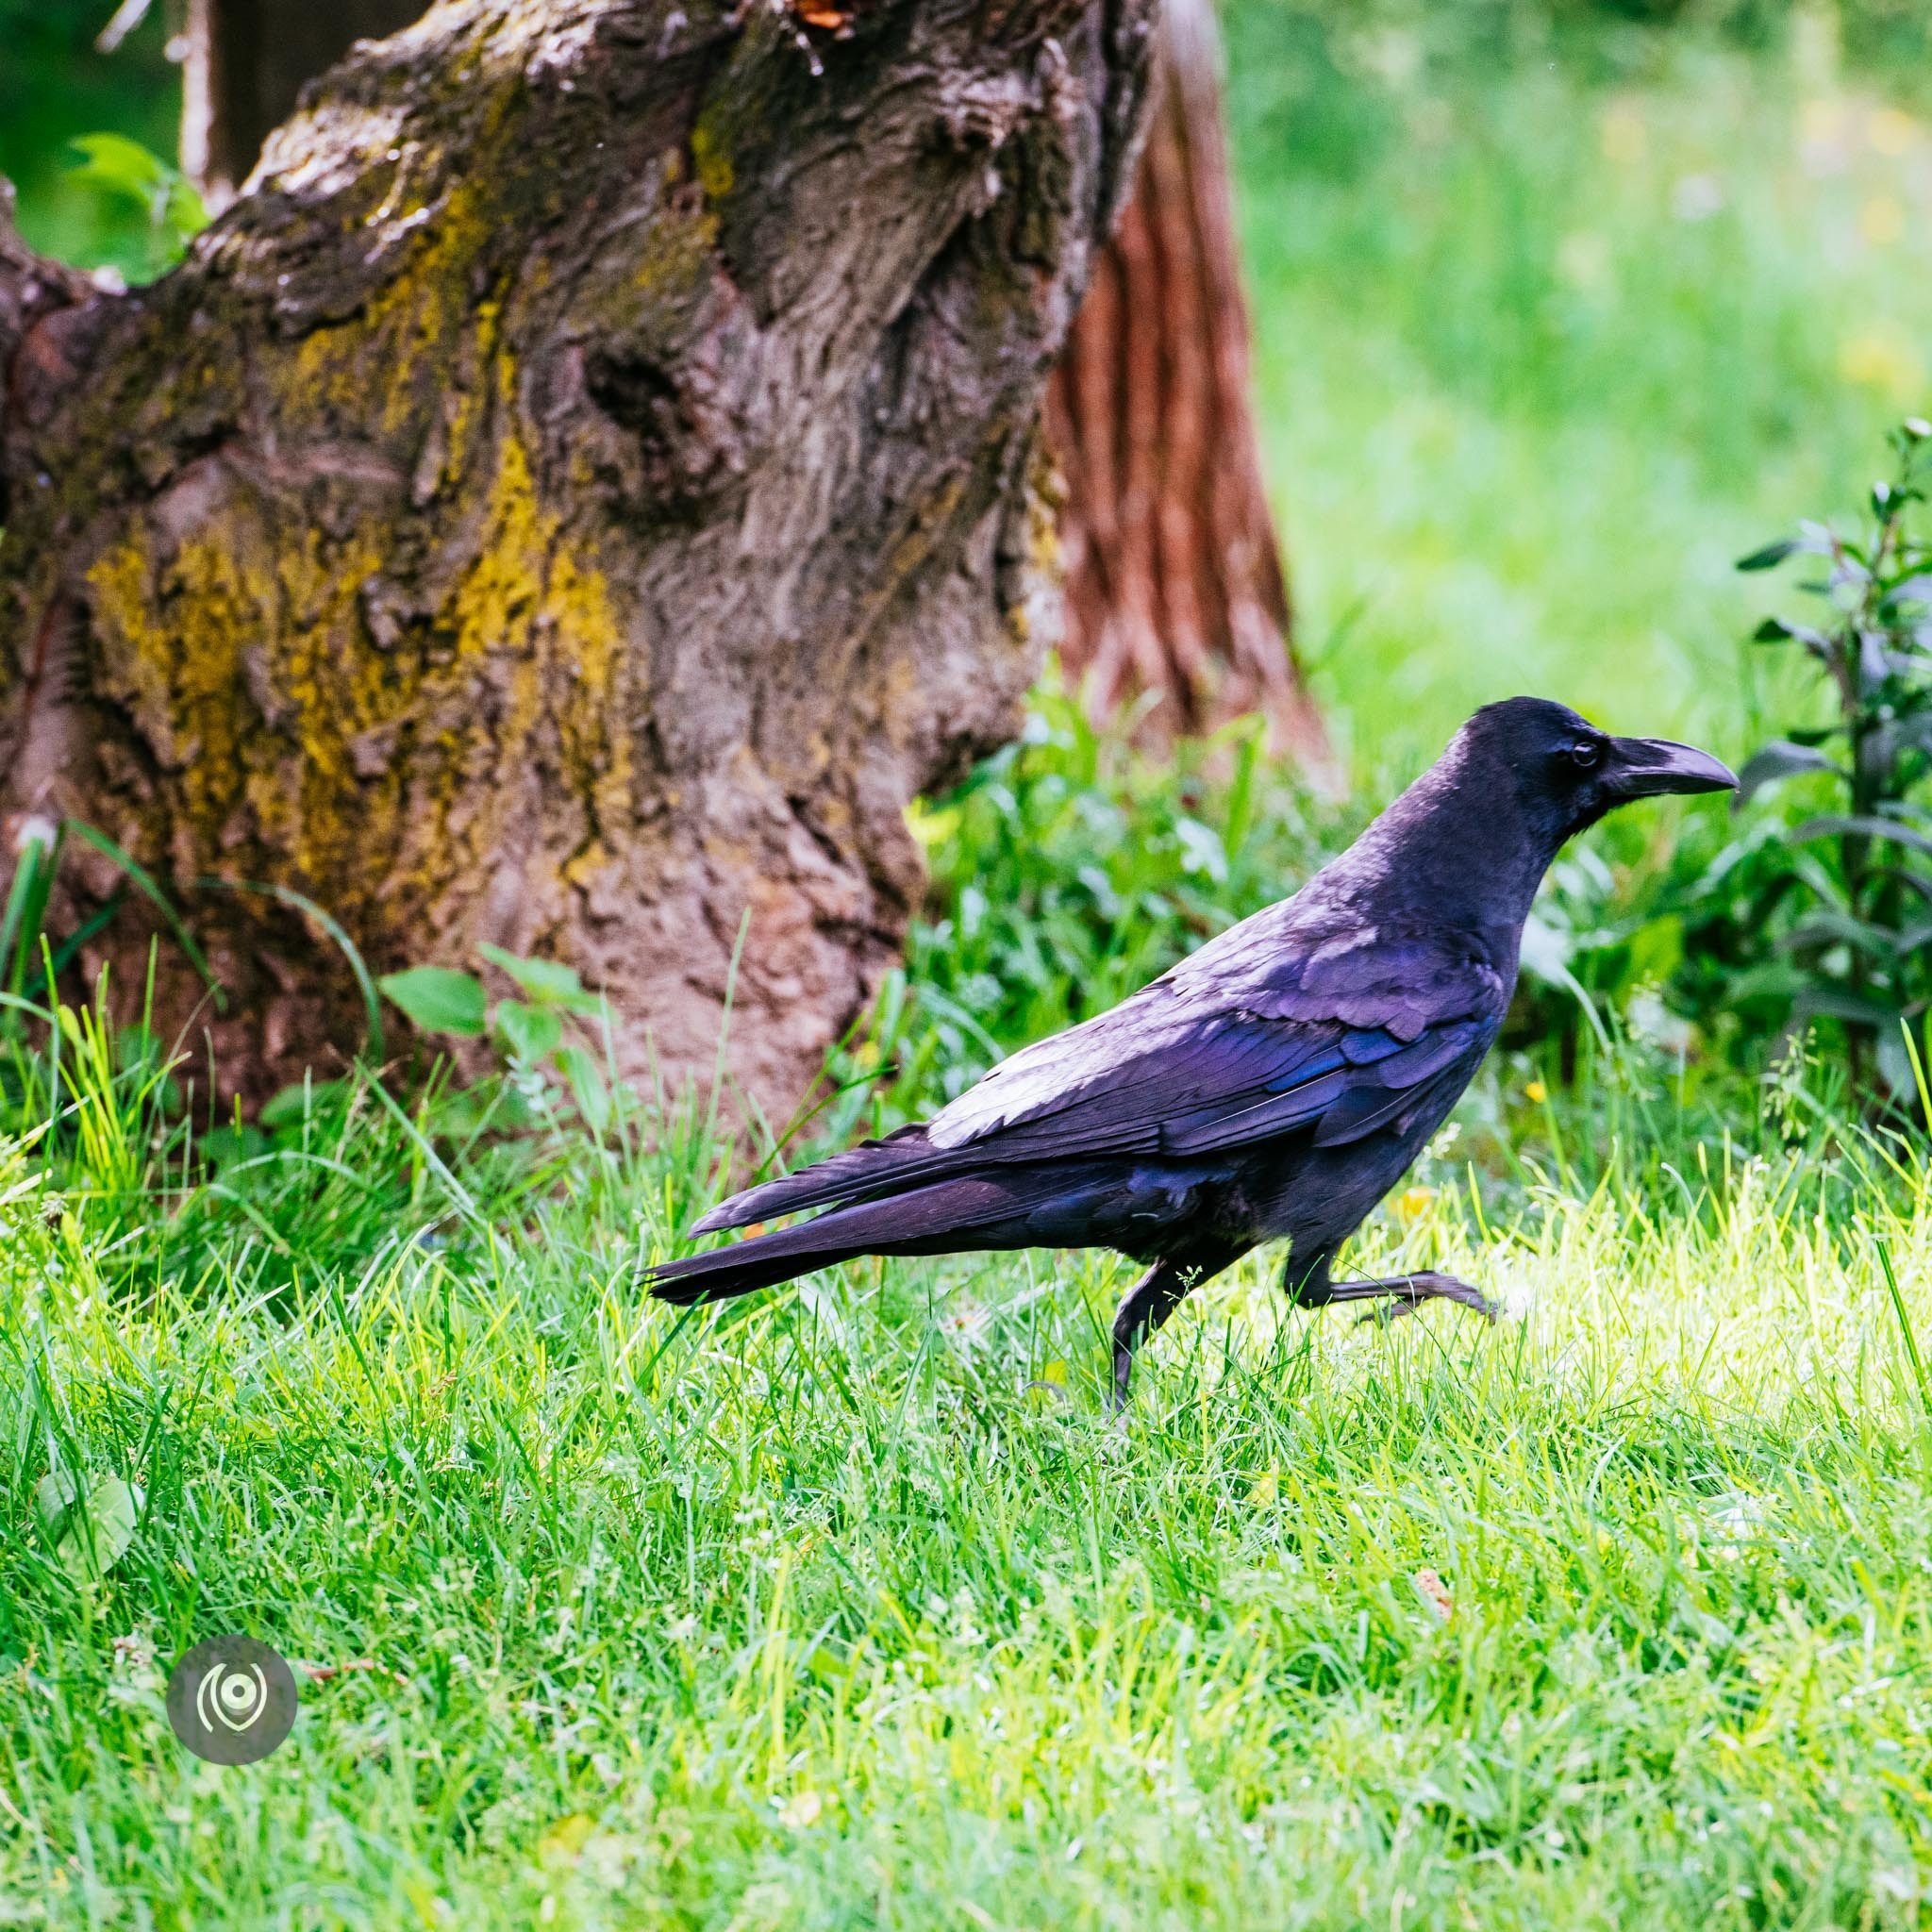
<point x="1275" y="1083"/>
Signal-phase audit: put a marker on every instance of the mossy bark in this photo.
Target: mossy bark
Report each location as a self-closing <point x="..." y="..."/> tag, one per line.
<point x="574" y="498"/>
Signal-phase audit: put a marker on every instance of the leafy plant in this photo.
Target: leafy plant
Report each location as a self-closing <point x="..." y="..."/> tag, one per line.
<point x="88" y="1525"/>
<point x="125" y="171"/>
<point x="438" y="999"/>
<point x="538" y="1036"/>
<point x="1863" y="944"/>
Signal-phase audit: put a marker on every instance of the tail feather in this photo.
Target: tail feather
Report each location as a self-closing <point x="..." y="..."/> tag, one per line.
<point x="947" y="1217"/>
<point x="874" y="1168"/>
<point x="726" y="1273"/>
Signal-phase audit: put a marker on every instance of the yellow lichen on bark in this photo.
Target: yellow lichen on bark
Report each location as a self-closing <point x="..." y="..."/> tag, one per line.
<point x="292" y="741"/>
<point x="577" y="603"/>
<point x="227" y="633"/>
<point x="711" y="156"/>
<point x="417" y="335"/>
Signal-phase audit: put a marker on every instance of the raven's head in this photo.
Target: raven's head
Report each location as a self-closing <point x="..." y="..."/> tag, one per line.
<point x="1567" y="773"/>
<point x="1467" y="843"/>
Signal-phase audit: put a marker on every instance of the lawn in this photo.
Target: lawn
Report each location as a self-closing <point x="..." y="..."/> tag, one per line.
<point x="847" y="1605"/>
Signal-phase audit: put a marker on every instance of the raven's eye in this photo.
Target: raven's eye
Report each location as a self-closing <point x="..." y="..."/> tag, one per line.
<point x="1585" y="754"/>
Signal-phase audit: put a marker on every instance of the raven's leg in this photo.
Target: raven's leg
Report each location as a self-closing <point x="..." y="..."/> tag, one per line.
<point x="1409" y="1292"/>
<point x="1150" y="1299"/>
<point x="1310" y="1287"/>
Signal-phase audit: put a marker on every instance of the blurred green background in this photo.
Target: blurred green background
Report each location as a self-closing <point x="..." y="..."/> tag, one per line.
<point x="55" y="88"/>
<point x="1560" y="310"/>
<point x="1559" y="305"/>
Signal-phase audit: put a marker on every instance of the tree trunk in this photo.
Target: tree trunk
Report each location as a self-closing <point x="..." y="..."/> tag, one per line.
<point x="247" y="62"/>
<point x="574" y="500"/>
<point x="1175" y="584"/>
<point x="1174" y="587"/>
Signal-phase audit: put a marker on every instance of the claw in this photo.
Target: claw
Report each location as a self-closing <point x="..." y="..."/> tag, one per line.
<point x="1403" y="1294"/>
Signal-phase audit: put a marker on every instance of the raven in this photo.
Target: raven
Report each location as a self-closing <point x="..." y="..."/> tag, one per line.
<point x="1277" y="1082"/>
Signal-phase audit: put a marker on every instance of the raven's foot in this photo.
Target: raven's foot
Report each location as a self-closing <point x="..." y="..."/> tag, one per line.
<point x="1148" y="1304"/>
<point x="1406" y="1293"/>
<point x="1145" y="1307"/>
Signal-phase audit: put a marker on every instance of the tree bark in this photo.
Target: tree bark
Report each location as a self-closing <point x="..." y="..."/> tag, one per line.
<point x="1174" y="587"/>
<point x="247" y="62"/>
<point x="575" y="499"/>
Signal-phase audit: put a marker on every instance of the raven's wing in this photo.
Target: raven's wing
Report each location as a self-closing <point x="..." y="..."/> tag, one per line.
<point x="1229" y="1048"/>
<point x="1236" y="1045"/>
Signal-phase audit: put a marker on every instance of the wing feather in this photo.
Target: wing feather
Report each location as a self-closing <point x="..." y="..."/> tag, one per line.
<point x="1249" y="1039"/>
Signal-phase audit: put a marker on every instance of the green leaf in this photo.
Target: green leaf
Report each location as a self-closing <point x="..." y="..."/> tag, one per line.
<point x="122" y="166"/>
<point x="580" y="1069"/>
<point x="1781" y="758"/>
<point x="54" y="1496"/>
<point x="545" y="982"/>
<point x="225" y="1147"/>
<point x="529" y="1034"/>
<point x="1818" y="930"/>
<point x="89" y="1526"/>
<point x="1771" y="556"/>
<point x="438" y="999"/>
<point x="1777" y="980"/>
<point x="1776" y="630"/>
<point x="1860" y="1009"/>
<point x="1834" y="827"/>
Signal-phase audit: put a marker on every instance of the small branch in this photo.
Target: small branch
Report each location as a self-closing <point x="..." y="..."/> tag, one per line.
<point x="128" y="16"/>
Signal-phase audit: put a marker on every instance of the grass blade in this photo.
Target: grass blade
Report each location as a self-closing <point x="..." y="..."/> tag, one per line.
<point x="1905" y="1323"/>
<point x="144" y="882"/>
<point x="372" y="1047"/>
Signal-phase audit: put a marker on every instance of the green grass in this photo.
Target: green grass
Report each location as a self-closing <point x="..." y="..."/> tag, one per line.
<point x="1552" y="327"/>
<point x="847" y="1607"/>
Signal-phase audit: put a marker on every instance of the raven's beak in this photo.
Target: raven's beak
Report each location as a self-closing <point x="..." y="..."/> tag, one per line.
<point x="1643" y="767"/>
